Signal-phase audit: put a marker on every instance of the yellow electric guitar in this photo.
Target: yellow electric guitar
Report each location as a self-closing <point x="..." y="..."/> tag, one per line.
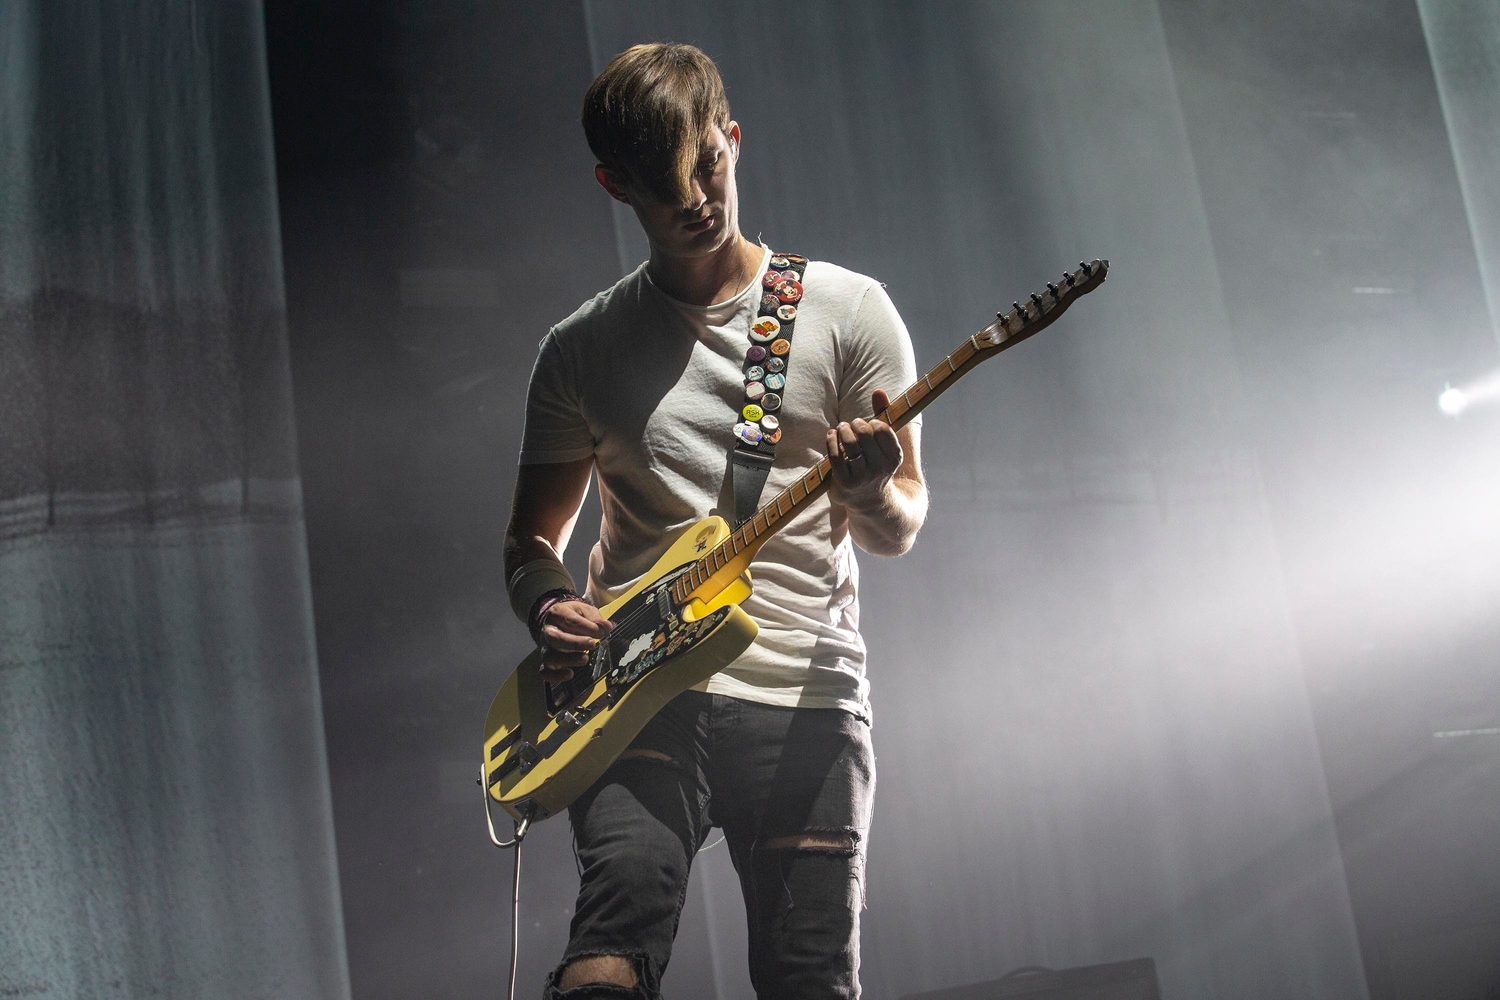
<point x="544" y="744"/>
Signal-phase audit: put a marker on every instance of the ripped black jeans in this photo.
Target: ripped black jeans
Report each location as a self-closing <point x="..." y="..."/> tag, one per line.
<point x="763" y="774"/>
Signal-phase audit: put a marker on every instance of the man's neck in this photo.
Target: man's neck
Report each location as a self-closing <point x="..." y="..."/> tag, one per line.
<point x="709" y="280"/>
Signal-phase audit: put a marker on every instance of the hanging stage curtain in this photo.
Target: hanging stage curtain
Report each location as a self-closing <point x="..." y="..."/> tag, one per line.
<point x="165" y="819"/>
<point x="1463" y="37"/>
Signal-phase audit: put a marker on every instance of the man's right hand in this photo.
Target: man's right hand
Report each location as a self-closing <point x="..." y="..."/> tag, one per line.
<point x="570" y="630"/>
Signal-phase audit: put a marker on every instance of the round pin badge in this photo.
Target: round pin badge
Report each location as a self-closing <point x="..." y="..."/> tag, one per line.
<point x="754" y="391"/>
<point x="765" y="329"/>
<point x="770" y="401"/>
<point x="748" y="433"/>
<point x="769" y="423"/>
<point x="769" y="303"/>
<point x="770" y="278"/>
<point x="775" y="382"/>
<point x="779" y="262"/>
<point x="754" y="373"/>
<point x="793" y="258"/>
<point x="756" y="354"/>
<point x="753" y="412"/>
<point x="791" y="275"/>
<point x="772" y="437"/>
<point x="788" y="290"/>
<point x="786" y="313"/>
<point x="781" y="347"/>
<point x="776" y="365"/>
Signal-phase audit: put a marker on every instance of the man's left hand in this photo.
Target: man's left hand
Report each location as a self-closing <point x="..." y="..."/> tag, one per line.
<point x="865" y="454"/>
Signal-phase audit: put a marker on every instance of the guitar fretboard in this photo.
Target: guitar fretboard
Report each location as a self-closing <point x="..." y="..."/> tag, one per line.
<point x="729" y="557"/>
<point x="786" y="504"/>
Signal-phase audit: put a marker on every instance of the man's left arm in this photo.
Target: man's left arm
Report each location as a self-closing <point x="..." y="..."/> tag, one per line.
<point x="877" y="478"/>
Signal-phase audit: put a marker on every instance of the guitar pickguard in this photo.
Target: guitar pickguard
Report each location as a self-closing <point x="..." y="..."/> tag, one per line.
<point x="649" y="630"/>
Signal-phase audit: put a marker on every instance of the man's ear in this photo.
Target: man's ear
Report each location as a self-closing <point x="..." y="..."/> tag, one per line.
<point x="608" y="181"/>
<point x="734" y="140"/>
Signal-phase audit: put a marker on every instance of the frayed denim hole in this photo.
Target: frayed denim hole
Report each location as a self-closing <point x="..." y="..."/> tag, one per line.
<point x="647" y="980"/>
<point x="647" y="754"/>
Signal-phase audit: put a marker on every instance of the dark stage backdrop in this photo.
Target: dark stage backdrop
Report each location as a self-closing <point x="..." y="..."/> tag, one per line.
<point x="164" y="806"/>
<point x="1194" y="658"/>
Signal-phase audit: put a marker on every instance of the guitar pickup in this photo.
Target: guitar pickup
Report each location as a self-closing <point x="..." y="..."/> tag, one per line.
<point x="600" y="661"/>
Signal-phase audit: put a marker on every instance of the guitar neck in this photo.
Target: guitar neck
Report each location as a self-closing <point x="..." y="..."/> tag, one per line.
<point x="725" y="562"/>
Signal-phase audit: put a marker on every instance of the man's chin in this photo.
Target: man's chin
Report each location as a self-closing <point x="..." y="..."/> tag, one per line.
<point x="710" y="241"/>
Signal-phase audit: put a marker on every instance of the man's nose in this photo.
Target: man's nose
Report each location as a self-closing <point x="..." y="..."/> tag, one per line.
<point x="696" y="196"/>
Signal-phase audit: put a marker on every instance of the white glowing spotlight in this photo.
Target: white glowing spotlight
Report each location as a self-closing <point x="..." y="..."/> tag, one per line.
<point x="1454" y="400"/>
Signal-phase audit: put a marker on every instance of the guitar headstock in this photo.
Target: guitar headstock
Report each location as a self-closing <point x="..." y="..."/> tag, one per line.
<point x="1041" y="309"/>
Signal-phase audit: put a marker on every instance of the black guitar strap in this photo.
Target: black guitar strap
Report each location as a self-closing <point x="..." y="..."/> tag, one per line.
<point x="758" y="424"/>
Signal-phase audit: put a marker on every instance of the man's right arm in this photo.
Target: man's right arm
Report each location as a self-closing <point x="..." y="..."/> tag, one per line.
<point x="548" y="498"/>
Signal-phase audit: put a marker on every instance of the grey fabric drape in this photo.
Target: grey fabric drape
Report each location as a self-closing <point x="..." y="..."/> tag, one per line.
<point x="1463" y="37"/>
<point x="166" y="817"/>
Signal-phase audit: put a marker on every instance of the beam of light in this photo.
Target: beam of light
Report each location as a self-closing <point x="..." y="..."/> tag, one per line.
<point x="1463" y="40"/>
<point x="1454" y="400"/>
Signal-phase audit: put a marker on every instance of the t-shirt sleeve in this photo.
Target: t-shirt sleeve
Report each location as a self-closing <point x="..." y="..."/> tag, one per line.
<point x="555" y="428"/>
<point x="876" y="354"/>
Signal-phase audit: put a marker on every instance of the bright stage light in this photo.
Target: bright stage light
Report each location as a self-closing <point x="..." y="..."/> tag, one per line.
<point x="1454" y="400"/>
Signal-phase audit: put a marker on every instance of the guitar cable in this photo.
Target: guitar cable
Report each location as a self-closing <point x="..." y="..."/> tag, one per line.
<point x="515" y="884"/>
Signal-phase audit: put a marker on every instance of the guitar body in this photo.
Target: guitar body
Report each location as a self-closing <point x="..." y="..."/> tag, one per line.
<point x="544" y="744"/>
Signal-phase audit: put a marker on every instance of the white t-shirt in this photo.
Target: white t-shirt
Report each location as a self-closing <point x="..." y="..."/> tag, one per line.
<point x="650" y="388"/>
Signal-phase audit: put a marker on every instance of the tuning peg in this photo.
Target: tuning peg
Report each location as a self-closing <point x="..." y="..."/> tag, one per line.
<point x="1086" y="269"/>
<point x="1019" y="311"/>
<point x="1068" y="278"/>
<point x="1038" y="300"/>
<point x="1052" y="288"/>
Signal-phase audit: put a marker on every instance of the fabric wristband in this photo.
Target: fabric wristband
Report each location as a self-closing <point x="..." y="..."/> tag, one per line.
<point x="534" y="579"/>
<point x="542" y="606"/>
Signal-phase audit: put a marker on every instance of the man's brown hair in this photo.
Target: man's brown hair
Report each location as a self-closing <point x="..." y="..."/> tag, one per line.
<point x="651" y="110"/>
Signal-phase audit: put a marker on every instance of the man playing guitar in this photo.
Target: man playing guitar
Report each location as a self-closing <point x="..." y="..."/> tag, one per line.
<point x="644" y="384"/>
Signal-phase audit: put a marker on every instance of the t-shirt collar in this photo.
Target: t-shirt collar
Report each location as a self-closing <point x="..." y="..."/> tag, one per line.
<point x="720" y="313"/>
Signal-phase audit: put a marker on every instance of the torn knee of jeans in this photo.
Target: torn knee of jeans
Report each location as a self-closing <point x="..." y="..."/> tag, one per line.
<point x="641" y="753"/>
<point x="843" y="843"/>
<point x="598" y="976"/>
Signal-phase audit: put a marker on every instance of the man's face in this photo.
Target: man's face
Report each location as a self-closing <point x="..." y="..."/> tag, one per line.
<point x="712" y="216"/>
